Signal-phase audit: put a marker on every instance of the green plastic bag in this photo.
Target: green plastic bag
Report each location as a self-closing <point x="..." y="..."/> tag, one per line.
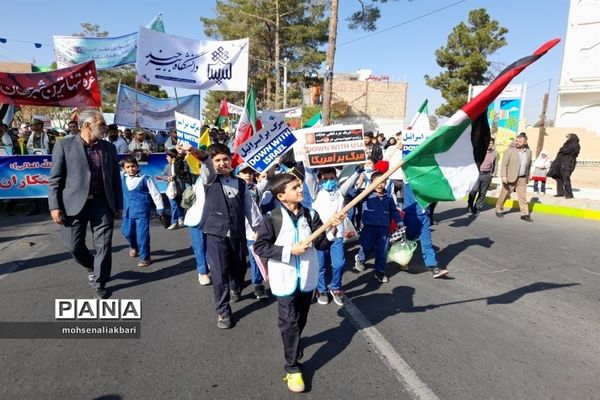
<point x="402" y="251"/>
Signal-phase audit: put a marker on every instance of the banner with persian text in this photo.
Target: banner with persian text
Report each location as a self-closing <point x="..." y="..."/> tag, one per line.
<point x="263" y="148"/>
<point x="330" y="145"/>
<point x="182" y="62"/>
<point x="107" y="52"/>
<point x="151" y="112"/>
<point x="23" y="177"/>
<point x="75" y="86"/>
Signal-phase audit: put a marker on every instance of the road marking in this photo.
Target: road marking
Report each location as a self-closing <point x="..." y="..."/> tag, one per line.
<point x="404" y="372"/>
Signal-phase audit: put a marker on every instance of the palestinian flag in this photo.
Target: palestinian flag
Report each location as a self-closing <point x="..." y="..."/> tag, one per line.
<point x="223" y="114"/>
<point x="420" y="122"/>
<point x="446" y="166"/>
<point x="247" y="126"/>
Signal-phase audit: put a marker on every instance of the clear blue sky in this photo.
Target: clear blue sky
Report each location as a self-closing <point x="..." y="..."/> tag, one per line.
<point x="404" y="53"/>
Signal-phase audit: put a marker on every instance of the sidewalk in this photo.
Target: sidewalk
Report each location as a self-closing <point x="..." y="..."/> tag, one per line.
<point x="586" y="203"/>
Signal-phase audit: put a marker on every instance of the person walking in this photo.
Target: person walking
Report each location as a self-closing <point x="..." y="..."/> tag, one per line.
<point x="566" y="159"/>
<point x="486" y="171"/>
<point x="514" y="171"/>
<point x="84" y="188"/>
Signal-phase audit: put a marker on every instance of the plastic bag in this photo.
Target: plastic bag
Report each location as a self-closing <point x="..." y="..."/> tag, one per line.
<point x="171" y="190"/>
<point x="350" y="234"/>
<point x="401" y="252"/>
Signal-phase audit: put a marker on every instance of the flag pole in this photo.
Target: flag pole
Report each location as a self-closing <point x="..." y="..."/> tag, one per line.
<point x="176" y="97"/>
<point x="355" y="201"/>
<point x="200" y="105"/>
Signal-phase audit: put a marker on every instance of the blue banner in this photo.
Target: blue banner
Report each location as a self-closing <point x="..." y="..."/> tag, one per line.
<point x="23" y="177"/>
<point x="107" y="52"/>
<point x="140" y="109"/>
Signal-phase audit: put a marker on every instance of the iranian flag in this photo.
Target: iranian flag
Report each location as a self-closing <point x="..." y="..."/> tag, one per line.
<point x="247" y="126"/>
<point x="446" y="166"/>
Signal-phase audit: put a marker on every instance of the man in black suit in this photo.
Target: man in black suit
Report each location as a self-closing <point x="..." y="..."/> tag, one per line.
<point x="85" y="187"/>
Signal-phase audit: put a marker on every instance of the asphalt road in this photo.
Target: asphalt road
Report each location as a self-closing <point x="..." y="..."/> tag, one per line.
<point x="518" y="320"/>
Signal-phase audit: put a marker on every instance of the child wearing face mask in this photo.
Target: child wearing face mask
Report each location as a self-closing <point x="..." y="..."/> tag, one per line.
<point x="328" y="199"/>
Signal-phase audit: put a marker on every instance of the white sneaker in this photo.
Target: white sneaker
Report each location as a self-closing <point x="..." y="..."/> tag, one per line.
<point x="204" y="279"/>
<point x="358" y="264"/>
<point x="173" y="226"/>
<point x="180" y="222"/>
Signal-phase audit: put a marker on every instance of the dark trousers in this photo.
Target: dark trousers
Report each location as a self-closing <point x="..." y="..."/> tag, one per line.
<point x="563" y="185"/>
<point x="479" y="190"/>
<point x="293" y="311"/>
<point x="98" y="214"/>
<point x="226" y="259"/>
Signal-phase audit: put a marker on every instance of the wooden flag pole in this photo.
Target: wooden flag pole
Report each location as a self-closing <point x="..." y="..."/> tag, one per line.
<point x="355" y="201"/>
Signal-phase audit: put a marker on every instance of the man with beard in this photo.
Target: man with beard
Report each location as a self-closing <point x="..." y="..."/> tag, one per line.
<point x="514" y="171"/>
<point x="114" y="138"/>
<point x="84" y="188"/>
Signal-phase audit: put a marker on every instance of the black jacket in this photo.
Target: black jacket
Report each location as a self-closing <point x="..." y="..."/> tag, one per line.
<point x="568" y="154"/>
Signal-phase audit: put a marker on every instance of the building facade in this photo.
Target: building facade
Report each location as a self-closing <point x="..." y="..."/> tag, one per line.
<point x="578" y="102"/>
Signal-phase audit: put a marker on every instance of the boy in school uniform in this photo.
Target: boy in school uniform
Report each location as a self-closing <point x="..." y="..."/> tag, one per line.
<point x="379" y="208"/>
<point x="328" y="199"/>
<point x="245" y="172"/>
<point x="418" y="225"/>
<point x="293" y="267"/>
<point x="139" y="191"/>
<point x="227" y="205"/>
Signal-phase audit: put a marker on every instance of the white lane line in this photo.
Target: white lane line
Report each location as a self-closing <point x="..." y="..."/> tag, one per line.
<point x="406" y="375"/>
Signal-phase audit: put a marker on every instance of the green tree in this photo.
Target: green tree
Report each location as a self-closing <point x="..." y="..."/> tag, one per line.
<point x="465" y="59"/>
<point x="109" y="79"/>
<point x="279" y="30"/>
<point x="366" y="18"/>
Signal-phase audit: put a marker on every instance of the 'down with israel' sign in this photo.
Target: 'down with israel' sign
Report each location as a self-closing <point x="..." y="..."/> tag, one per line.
<point x="188" y="129"/>
<point x="262" y="149"/>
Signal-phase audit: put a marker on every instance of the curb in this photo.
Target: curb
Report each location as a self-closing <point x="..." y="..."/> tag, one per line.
<point x="551" y="209"/>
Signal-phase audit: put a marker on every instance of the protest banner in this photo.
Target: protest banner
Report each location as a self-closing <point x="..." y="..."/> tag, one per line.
<point x="263" y="148"/>
<point x="151" y="112"/>
<point x="330" y="146"/>
<point x="75" y="86"/>
<point x="188" y="129"/>
<point x="107" y="52"/>
<point x="181" y="62"/>
<point x="417" y="130"/>
<point x="23" y="177"/>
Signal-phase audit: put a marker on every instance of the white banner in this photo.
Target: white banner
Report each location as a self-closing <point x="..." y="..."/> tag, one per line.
<point x="181" y="62"/>
<point x="188" y="129"/>
<point x="330" y="146"/>
<point x="261" y="150"/>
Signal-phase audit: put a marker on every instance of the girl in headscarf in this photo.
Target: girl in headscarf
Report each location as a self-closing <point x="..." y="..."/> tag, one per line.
<point x="540" y="170"/>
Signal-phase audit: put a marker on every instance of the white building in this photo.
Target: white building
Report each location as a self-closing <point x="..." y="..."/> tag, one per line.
<point x="578" y="102"/>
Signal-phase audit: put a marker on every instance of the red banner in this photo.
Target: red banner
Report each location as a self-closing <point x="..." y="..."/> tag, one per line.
<point x="75" y="86"/>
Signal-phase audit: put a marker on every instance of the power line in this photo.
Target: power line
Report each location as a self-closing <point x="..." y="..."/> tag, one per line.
<point x="402" y="23"/>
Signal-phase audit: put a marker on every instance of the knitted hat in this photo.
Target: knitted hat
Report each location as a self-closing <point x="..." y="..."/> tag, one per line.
<point x="382" y="166"/>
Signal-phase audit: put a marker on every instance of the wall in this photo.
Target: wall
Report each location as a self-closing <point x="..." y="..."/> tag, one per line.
<point x="579" y="88"/>
<point x="378" y="105"/>
<point x="555" y="138"/>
